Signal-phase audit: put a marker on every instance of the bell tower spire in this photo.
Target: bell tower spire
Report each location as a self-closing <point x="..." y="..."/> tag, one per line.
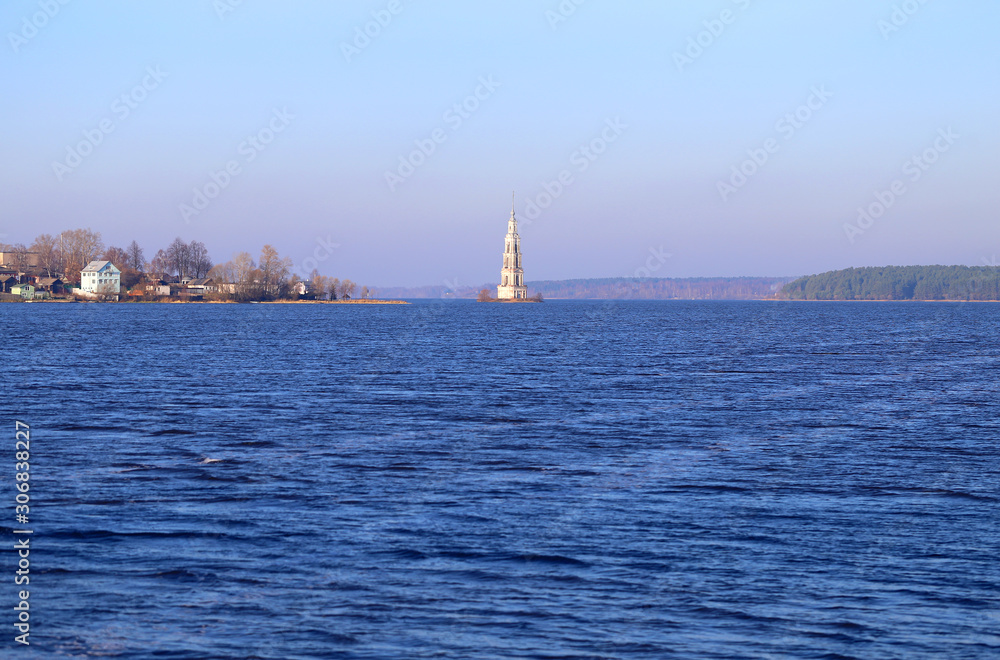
<point x="512" y="275"/>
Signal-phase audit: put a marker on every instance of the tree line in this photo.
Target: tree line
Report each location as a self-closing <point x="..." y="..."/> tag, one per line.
<point x="899" y="283"/>
<point x="65" y="254"/>
<point x="657" y="288"/>
<point x="271" y="278"/>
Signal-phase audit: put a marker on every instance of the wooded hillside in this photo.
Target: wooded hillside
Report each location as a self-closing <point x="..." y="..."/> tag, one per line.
<point x="899" y="283"/>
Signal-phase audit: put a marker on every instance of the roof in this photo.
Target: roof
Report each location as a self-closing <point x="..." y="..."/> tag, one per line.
<point x="48" y="281"/>
<point x="96" y="266"/>
<point x="201" y="281"/>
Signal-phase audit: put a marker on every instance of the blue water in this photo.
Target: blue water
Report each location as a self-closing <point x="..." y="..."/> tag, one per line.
<point x="460" y="480"/>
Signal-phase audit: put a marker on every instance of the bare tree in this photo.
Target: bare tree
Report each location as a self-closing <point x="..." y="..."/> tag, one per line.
<point x="239" y="278"/>
<point x="22" y="259"/>
<point x="160" y="265"/>
<point x="347" y="289"/>
<point x="364" y="293"/>
<point x="318" y="285"/>
<point x="224" y="278"/>
<point x="46" y="247"/>
<point x="136" y="259"/>
<point x="179" y="257"/>
<point x="222" y="273"/>
<point x="200" y="262"/>
<point x="117" y="256"/>
<point x="243" y="271"/>
<point x="334" y="286"/>
<point x="274" y="271"/>
<point x="79" y="247"/>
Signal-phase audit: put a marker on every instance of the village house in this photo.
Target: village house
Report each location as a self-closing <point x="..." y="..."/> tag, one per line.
<point x="28" y="292"/>
<point x="7" y="280"/>
<point x="149" y="289"/>
<point x="201" y="286"/>
<point x="100" y="277"/>
<point x="53" y="285"/>
<point x="156" y="288"/>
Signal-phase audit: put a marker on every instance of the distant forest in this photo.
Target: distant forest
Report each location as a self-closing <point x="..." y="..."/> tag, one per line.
<point x="694" y="288"/>
<point x="899" y="283"/>
<point x="622" y="288"/>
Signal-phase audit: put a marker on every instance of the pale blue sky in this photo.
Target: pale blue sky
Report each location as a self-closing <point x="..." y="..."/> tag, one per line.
<point x="681" y="130"/>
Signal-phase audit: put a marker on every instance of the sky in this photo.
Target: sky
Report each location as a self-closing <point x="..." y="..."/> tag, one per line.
<point x="382" y="141"/>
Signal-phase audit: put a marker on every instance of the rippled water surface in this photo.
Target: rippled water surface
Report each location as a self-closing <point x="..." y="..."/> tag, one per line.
<point x="458" y="480"/>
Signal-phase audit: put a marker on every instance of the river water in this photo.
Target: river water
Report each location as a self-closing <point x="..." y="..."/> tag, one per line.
<point x="461" y="480"/>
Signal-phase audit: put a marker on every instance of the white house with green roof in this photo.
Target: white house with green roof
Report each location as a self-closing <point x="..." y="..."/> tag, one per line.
<point x="101" y="277"/>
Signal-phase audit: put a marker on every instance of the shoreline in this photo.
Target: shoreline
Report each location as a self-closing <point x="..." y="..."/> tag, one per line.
<point x="406" y="302"/>
<point x="215" y="302"/>
<point x="329" y="302"/>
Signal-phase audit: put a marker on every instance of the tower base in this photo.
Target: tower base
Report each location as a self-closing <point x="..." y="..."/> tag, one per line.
<point x="512" y="292"/>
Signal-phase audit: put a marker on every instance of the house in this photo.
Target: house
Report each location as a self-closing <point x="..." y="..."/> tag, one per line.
<point x="201" y="286"/>
<point x="26" y="291"/>
<point x="53" y="285"/>
<point x="7" y="280"/>
<point x="153" y="288"/>
<point x="100" y="277"/>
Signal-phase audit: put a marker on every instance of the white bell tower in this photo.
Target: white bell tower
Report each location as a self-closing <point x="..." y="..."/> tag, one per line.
<point x="512" y="275"/>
